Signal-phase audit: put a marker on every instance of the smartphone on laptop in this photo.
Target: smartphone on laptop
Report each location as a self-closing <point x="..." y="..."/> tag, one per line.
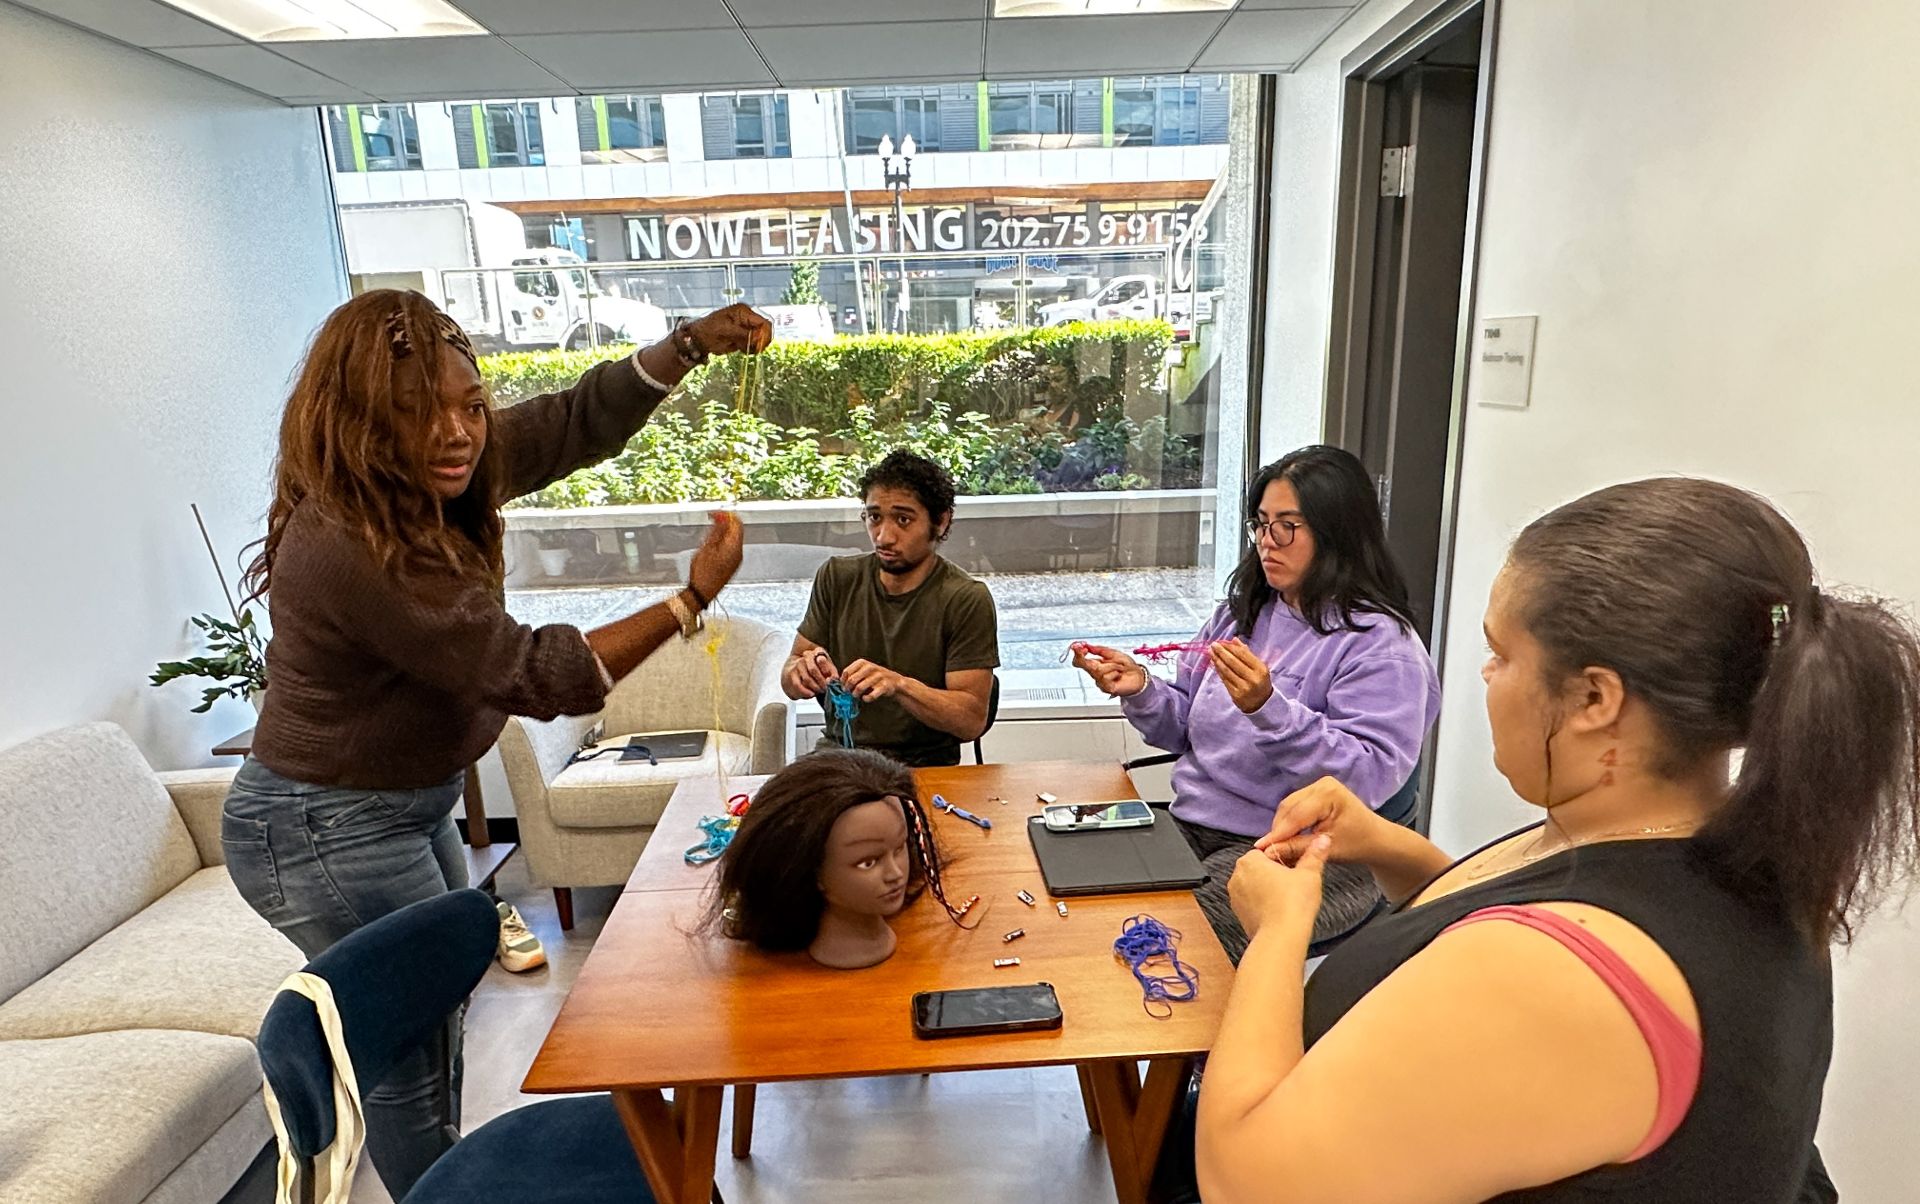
<point x="1095" y="817"/>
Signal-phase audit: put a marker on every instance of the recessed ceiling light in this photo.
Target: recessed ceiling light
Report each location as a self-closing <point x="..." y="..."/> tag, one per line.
<point x="332" y="20"/>
<point x="1094" y="8"/>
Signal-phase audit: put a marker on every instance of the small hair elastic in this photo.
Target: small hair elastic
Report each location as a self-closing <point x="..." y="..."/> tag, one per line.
<point x="1782" y="617"/>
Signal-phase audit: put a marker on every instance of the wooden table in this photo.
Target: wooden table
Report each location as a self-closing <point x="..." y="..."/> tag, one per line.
<point x="662" y="1003"/>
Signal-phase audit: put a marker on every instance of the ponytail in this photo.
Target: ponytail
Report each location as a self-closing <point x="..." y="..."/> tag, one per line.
<point x="1702" y="597"/>
<point x="1824" y="814"/>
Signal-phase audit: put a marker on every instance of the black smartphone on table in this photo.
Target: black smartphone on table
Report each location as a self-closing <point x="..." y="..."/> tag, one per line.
<point x="1014" y="1009"/>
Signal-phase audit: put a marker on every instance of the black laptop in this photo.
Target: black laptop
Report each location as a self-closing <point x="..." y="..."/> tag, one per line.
<point x="1117" y="860"/>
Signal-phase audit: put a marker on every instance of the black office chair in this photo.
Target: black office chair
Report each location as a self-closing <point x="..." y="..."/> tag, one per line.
<point x="993" y="712"/>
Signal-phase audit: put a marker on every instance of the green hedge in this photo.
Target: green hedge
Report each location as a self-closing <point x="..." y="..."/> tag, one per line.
<point x="1073" y="407"/>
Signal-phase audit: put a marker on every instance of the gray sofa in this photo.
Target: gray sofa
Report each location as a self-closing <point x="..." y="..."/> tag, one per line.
<point x="132" y="980"/>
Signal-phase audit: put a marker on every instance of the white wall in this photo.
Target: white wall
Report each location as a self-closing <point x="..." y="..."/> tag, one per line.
<point x="167" y="244"/>
<point x="1699" y="202"/>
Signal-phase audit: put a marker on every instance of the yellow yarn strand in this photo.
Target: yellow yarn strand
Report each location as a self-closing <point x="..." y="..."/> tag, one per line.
<point x="716" y="636"/>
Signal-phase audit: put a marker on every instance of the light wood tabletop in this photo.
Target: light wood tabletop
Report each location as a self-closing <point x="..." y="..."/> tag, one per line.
<point x="663" y="1003"/>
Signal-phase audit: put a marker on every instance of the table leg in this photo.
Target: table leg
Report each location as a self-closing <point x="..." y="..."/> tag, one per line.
<point x="1166" y="1081"/>
<point x="1086" y="1098"/>
<point x="743" y="1096"/>
<point x="676" y="1143"/>
<point x="1116" y="1091"/>
<point x="1133" y="1119"/>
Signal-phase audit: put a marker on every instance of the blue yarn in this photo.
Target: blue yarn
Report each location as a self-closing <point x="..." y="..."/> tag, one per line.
<point x="1142" y="939"/>
<point x="844" y="707"/>
<point x="719" y="830"/>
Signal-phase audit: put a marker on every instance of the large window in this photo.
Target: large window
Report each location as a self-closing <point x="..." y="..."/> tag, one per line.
<point x="513" y="134"/>
<point x="760" y="127"/>
<point x="896" y="113"/>
<point x="1029" y="115"/>
<point x="374" y="137"/>
<point x="1068" y="337"/>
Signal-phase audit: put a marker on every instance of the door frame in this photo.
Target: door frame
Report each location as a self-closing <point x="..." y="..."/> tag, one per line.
<point x="1397" y="45"/>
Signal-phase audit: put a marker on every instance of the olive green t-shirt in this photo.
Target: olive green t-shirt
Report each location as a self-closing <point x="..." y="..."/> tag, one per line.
<point x="944" y="626"/>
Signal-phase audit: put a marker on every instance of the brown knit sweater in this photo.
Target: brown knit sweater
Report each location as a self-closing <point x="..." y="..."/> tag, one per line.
<point x="382" y="682"/>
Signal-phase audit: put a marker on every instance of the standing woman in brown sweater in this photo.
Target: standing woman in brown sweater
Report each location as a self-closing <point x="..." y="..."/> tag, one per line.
<point x="394" y="663"/>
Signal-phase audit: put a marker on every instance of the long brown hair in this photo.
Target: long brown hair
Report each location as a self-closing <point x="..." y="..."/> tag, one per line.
<point x="1702" y="597"/>
<point x="354" y="445"/>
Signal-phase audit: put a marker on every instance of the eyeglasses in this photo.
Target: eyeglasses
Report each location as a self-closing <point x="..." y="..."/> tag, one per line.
<point x="1281" y="531"/>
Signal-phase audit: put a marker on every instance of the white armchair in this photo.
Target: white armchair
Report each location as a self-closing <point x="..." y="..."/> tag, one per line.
<point x="584" y="823"/>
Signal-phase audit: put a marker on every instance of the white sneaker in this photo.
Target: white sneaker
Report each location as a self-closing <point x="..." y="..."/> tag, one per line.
<point x="520" y="950"/>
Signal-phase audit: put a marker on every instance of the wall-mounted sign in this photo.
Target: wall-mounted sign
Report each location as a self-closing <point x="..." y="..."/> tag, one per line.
<point x="790" y="233"/>
<point x="1502" y="369"/>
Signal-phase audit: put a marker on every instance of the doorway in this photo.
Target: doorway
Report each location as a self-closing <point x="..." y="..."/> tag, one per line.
<point x="1414" y="122"/>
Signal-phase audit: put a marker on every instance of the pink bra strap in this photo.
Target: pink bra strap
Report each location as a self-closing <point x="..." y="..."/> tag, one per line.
<point x="1675" y="1047"/>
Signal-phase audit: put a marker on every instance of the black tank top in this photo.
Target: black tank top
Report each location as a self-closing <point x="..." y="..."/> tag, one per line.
<point x="1765" y="998"/>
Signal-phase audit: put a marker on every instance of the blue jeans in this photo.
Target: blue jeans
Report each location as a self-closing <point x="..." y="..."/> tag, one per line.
<point x="317" y="862"/>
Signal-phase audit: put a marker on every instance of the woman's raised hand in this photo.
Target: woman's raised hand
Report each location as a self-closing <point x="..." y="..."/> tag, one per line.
<point x="1323" y="808"/>
<point x="734" y="328"/>
<point x="718" y="557"/>
<point x="1114" y="673"/>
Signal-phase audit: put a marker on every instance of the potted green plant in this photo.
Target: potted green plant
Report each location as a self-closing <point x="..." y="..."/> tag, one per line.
<point x="236" y="660"/>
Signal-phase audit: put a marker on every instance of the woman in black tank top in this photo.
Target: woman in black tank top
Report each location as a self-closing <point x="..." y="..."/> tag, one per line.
<point x="1630" y="1000"/>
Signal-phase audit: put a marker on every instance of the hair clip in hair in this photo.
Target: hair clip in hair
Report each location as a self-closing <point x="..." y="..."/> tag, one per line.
<point x="398" y="341"/>
<point x="1782" y="618"/>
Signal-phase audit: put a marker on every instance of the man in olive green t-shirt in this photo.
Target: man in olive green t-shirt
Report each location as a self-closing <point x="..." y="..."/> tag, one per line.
<point x="917" y="636"/>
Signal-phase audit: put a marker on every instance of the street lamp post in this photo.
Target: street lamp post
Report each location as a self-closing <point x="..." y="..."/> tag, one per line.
<point x="899" y="179"/>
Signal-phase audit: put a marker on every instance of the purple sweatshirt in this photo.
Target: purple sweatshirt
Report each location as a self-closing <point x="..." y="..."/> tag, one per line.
<point x="1353" y="705"/>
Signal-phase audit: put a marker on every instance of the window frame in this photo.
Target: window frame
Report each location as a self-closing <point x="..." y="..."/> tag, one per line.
<point x="524" y="116"/>
<point x="1030" y="137"/>
<point x="926" y="131"/>
<point x="649" y="121"/>
<point x="776" y="134"/>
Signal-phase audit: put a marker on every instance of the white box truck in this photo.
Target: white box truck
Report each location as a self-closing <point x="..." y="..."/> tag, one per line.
<point x="543" y="298"/>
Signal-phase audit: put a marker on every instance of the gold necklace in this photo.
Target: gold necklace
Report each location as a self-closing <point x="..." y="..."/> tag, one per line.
<point x="1498" y="864"/>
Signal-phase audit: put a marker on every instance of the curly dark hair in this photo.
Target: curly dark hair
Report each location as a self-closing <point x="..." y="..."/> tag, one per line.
<point x="767" y="892"/>
<point x="926" y="480"/>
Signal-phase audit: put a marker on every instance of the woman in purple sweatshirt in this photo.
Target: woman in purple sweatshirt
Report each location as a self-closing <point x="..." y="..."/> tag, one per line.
<point x="1309" y="669"/>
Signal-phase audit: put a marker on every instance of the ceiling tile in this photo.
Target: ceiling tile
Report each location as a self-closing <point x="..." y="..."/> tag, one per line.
<point x="461" y="68"/>
<point x="139" y="22"/>
<point x="648" y="61"/>
<point x="1270" y="40"/>
<point x="906" y="49"/>
<point x="596" y="16"/>
<point x="346" y="96"/>
<point x="1059" y="46"/>
<point x="1249" y="6"/>
<point x="754" y="13"/>
<point x="261" y="70"/>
